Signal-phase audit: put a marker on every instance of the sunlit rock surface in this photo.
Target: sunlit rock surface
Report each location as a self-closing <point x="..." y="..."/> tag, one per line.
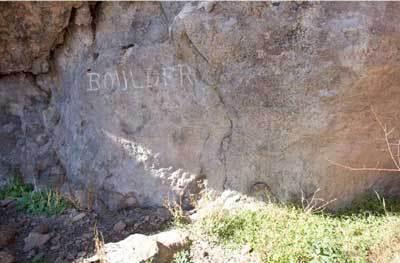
<point x="147" y="102"/>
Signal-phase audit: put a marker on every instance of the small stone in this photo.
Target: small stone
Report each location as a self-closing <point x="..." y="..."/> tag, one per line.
<point x="7" y="235"/>
<point x="6" y="202"/>
<point x="55" y="240"/>
<point x="81" y="254"/>
<point x="119" y="227"/>
<point x="171" y="242"/>
<point x="41" y="229"/>
<point x="87" y="235"/>
<point x="173" y="238"/>
<point x="130" y="202"/>
<point x="70" y="256"/>
<point x="55" y="247"/>
<point x="35" y="240"/>
<point x="6" y="257"/>
<point x="246" y="249"/>
<point x="78" y="217"/>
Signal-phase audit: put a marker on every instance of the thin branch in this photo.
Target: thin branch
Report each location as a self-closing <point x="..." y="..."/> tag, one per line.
<point x="386" y="138"/>
<point x="389" y="145"/>
<point x="398" y="152"/>
<point x="363" y="168"/>
<point x="314" y="205"/>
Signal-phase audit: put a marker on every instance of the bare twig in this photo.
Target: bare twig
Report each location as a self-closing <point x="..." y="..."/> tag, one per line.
<point x="389" y="145"/>
<point x="363" y="168"/>
<point x="386" y="134"/>
<point x="314" y="205"/>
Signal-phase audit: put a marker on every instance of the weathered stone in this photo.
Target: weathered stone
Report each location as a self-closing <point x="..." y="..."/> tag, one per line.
<point x="6" y="202"/>
<point x="7" y="235"/>
<point x="173" y="239"/>
<point x="207" y="94"/>
<point x="30" y="31"/>
<point x="119" y="227"/>
<point x="35" y="240"/>
<point x="78" y="217"/>
<point x="171" y="242"/>
<point x="26" y="145"/>
<point x="6" y="257"/>
<point x="41" y="229"/>
<point x="135" y="248"/>
<point x="139" y="248"/>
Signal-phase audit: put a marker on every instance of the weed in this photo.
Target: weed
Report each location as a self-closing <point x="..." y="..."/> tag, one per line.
<point x="182" y="257"/>
<point x="281" y="233"/>
<point x="177" y="213"/>
<point x="15" y="189"/>
<point x="43" y="202"/>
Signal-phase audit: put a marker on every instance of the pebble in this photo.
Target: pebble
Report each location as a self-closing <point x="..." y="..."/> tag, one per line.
<point x="7" y="235"/>
<point x="78" y="217"/>
<point x="41" y="229"/>
<point x="246" y="249"/>
<point x="70" y="256"/>
<point x="87" y="235"/>
<point x="6" y="257"/>
<point x="56" y="247"/>
<point x="35" y="240"/>
<point x="6" y="202"/>
<point x="119" y="227"/>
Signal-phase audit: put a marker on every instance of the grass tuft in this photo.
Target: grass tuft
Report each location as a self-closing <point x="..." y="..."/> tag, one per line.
<point x="14" y="189"/>
<point x="281" y="233"/>
<point x="43" y="202"/>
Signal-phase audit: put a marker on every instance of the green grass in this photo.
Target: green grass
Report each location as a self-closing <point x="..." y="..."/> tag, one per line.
<point x="281" y="233"/>
<point x="43" y="202"/>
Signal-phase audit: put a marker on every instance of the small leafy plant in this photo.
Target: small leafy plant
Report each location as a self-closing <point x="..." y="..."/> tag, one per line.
<point x="41" y="202"/>
<point x="45" y="202"/>
<point x="182" y="257"/>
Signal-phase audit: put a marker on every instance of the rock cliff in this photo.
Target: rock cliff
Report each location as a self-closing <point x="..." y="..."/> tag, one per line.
<point x="130" y="103"/>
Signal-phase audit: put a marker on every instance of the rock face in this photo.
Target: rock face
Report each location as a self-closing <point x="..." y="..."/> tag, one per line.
<point x="29" y="32"/>
<point x="148" y="101"/>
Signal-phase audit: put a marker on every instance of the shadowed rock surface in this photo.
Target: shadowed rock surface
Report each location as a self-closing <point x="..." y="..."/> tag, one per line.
<point x="126" y="104"/>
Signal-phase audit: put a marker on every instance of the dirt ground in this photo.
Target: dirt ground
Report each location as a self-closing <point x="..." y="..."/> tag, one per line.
<point x="69" y="237"/>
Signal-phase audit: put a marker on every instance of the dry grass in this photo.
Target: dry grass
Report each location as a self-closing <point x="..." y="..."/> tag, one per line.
<point x="99" y="246"/>
<point x="175" y="209"/>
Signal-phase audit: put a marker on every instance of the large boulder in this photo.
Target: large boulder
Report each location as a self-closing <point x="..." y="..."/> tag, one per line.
<point x="157" y="100"/>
